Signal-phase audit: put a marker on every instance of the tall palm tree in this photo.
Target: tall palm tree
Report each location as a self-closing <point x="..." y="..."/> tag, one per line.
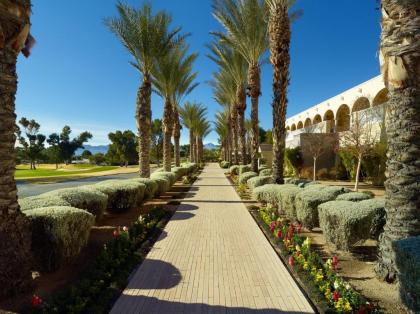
<point x="246" y="26"/>
<point x="279" y="38"/>
<point x="15" y="235"/>
<point x="233" y="62"/>
<point x="203" y="128"/>
<point x="400" y="63"/>
<point x="190" y="114"/>
<point x="248" y="132"/>
<point x="171" y="70"/>
<point x="221" y="128"/>
<point x="146" y="37"/>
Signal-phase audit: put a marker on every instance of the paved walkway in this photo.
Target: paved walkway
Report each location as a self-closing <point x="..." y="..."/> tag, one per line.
<point x="212" y="258"/>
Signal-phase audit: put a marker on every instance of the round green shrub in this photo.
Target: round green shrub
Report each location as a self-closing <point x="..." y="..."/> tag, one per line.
<point x="163" y="184"/>
<point x="224" y="164"/>
<point x="243" y="169"/>
<point x="122" y="194"/>
<point x="42" y="200"/>
<point x="244" y="177"/>
<point x="58" y="234"/>
<point x="265" y="172"/>
<point x="353" y="197"/>
<point x="287" y="203"/>
<point x="179" y="172"/>
<point x="259" y="181"/>
<point x="234" y="170"/>
<point x="151" y="187"/>
<point x="168" y="175"/>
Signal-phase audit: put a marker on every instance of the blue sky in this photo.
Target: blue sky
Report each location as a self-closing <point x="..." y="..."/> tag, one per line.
<point x="78" y="73"/>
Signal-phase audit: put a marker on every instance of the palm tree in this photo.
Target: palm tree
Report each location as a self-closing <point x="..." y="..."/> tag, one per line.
<point x="190" y="114"/>
<point x="246" y="26"/>
<point x="15" y="235"/>
<point x="399" y="56"/>
<point x="221" y="128"/>
<point x="202" y="129"/>
<point x="279" y="38"/>
<point x="171" y="70"/>
<point x="146" y="37"/>
<point x="248" y="132"/>
<point x="234" y="63"/>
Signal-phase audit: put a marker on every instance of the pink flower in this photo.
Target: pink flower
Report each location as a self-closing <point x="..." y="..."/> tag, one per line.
<point x="272" y="225"/>
<point x="335" y="296"/>
<point x="334" y="261"/>
<point x="36" y="300"/>
<point x="279" y="234"/>
<point x="115" y="233"/>
<point x="291" y="261"/>
<point x="299" y="228"/>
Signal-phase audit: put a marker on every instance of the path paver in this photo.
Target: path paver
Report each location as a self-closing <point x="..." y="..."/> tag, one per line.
<point x="212" y="258"/>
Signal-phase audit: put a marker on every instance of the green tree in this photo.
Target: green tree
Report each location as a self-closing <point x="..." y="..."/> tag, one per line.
<point x="221" y="128"/>
<point x="146" y="37"/>
<point x="157" y="140"/>
<point x="67" y="147"/>
<point x="86" y="154"/>
<point x="31" y="141"/>
<point x="268" y="139"/>
<point x="246" y="25"/>
<point x="97" y="159"/>
<point x="124" y="145"/>
<point x="53" y="150"/>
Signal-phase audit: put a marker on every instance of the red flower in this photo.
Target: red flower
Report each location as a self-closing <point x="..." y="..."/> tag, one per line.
<point x="299" y="228"/>
<point x="361" y="310"/>
<point x="115" y="233"/>
<point x="371" y="306"/>
<point x="273" y="225"/>
<point x="334" y="261"/>
<point x="36" y="300"/>
<point x="291" y="261"/>
<point x="279" y="234"/>
<point x="335" y="296"/>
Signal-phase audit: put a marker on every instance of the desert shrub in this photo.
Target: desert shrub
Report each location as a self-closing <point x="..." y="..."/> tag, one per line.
<point x="307" y="202"/>
<point x="151" y="187"/>
<point x="269" y="193"/>
<point x="259" y="181"/>
<point x="245" y="176"/>
<point x="58" y="234"/>
<point x="179" y="172"/>
<point x="322" y="174"/>
<point x="122" y="194"/>
<point x="353" y="197"/>
<point x="93" y="201"/>
<point x="191" y="167"/>
<point x="346" y="223"/>
<point x="378" y="206"/>
<point x="265" y="172"/>
<point x="262" y="167"/>
<point x="234" y="170"/>
<point x="370" y="193"/>
<point x="163" y="184"/>
<point x="224" y="164"/>
<point x="295" y="181"/>
<point x="306" y="184"/>
<point x="243" y="169"/>
<point x="42" y="200"/>
<point x="408" y="263"/>
<point x="169" y="175"/>
<point x="287" y="204"/>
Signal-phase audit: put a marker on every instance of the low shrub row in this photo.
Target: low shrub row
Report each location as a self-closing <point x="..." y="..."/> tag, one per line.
<point x="245" y="176"/>
<point x="259" y="181"/>
<point x="224" y="164"/>
<point x="239" y="169"/>
<point x="265" y="172"/>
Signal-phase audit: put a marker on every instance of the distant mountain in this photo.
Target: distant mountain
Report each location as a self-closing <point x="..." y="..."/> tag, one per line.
<point x="93" y="149"/>
<point x="211" y="146"/>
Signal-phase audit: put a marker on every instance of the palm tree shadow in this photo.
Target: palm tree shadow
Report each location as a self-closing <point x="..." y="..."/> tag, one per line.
<point x="181" y="215"/>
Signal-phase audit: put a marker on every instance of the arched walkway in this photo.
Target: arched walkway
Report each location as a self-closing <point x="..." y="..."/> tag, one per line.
<point x="380" y="98"/>
<point x="293" y="128"/>
<point x="317" y="119"/>
<point x="343" y="118"/>
<point x="360" y="104"/>
<point x="329" y="116"/>
<point x="308" y="122"/>
<point x="300" y="125"/>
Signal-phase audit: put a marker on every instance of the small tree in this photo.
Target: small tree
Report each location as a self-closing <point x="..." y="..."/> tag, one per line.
<point x="32" y="141"/>
<point x="124" y="144"/>
<point x="361" y="137"/>
<point x="68" y="147"/>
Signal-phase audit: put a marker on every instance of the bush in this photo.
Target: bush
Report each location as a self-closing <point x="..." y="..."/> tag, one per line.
<point x="179" y="172"/>
<point x="122" y="194"/>
<point x="295" y="181"/>
<point x="243" y="169"/>
<point x="244" y="177"/>
<point x="287" y="205"/>
<point x="345" y="223"/>
<point x="259" y="181"/>
<point x="322" y="174"/>
<point x="307" y="202"/>
<point x="224" y="164"/>
<point x="234" y="170"/>
<point x="266" y="172"/>
<point x="353" y="197"/>
<point x="408" y="265"/>
<point x="370" y="193"/>
<point x="95" y="202"/>
<point x="168" y="175"/>
<point x="307" y="172"/>
<point x="151" y="187"/>
<point x="42" y="200"/>
<point x="270" y="193"/>
<point x="58" y="234"/>
<point x="191" y="167"/>
<point x="163" y="184"/>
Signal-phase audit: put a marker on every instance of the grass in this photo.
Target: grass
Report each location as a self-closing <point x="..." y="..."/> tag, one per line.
<point x="23" y="171"/>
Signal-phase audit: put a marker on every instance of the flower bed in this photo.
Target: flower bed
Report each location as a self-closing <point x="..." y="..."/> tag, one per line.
<point x="331" y="292"/>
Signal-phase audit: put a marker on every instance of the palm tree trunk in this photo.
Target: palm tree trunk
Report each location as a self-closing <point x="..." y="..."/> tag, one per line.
<point x="234" y="125"/>
<point x="191" y="146"/>
<point x="15" y="233"/>
<point x="167" y="134"/>
<point x="241" y="107"/>
<point x="279" y="34"/>
<point x="254" y="93"/>
<point x="399" y="56"/>
<point x="144" y="125"/>
<point x="229" y="142"/>
<point x="197" y="149"/>
<point x="177" y="136"/>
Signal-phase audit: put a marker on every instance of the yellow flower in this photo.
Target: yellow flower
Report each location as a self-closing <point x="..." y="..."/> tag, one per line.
<point x="298" y="248"/>
<point x="319" y="276"/>
<point x="327" y="293"/>
<point x="347" y="307"/>
<point x="306" y="266"/>
<point x="307" y="242"/>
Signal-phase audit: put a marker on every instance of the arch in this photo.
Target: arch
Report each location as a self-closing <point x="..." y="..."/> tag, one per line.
<point x="361" y="103"/>
<point x="288" y="128"/>
<point x="317" y="119"/>
<point x="380" y="98"/>
<point x="328" y="115"/>
<point x="300" y="125"/>
<point x="293" y="128"/>
<point x="307" y="123"/>
<point x="343" y="118"/>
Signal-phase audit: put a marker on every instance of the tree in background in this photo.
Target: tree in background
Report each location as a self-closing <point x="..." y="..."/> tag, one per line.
<point x="268" y="139"/>
<point x="157" y="140"/>
<point x="97" y="159"/>
<point x="31" y="141"/>
<point x="124" y="145"/>
<point x="146" y="37"/>
<point x="221" y="128"/>
<point x="66" y="146"/>
<point x="15" y="234"/>
<point x="261" y="135"/>
<point x="86" y="154"/>
<point x="53" y="151"/>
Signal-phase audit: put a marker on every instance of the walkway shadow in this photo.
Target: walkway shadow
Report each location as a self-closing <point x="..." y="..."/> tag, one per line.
<point x="162" y="236"/>
<point x="180" y="215"/>
<point x="186" y="207"/>
<point x="155" y="305"/>
<point x="157" y="275"/>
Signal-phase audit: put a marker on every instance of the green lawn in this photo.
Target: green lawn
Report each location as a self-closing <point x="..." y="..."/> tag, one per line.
<point x="42" y="172"/>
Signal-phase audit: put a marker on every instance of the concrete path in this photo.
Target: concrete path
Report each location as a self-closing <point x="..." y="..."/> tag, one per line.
<point x="212" y="258"/>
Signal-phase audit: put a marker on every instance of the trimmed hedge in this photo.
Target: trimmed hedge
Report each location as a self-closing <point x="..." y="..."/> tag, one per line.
<point x="163" y="184"/>
<point x="259" y="181"/>
<point x="307" y="202"/>
<point x="266" y="172"/>
<point x="151" y="187"/>
<point x="224" y="164"/>
<point x="270" y="193"/>
<point x="164" y="174"/>
<point x="122" y="194"/>
<point x="345" y="223"/>
<point x="353" y="197"/>
<point x="234" y="170"/>
<point x="191" y="167"/>
<point x="95" y="202"/>
<point x="58" y="234"/>
<point x="287" y="204"/>
<point x="244" y="177"/>
<point x="408" y="265"/>
<point x="243" y="169"/>
<point x="179" y="172"/>
<point x="296" y="181"/>
<point x="42" y="200"/>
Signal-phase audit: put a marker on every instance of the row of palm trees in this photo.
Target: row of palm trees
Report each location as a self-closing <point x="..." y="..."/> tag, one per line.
<point x="253" y="26"/>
